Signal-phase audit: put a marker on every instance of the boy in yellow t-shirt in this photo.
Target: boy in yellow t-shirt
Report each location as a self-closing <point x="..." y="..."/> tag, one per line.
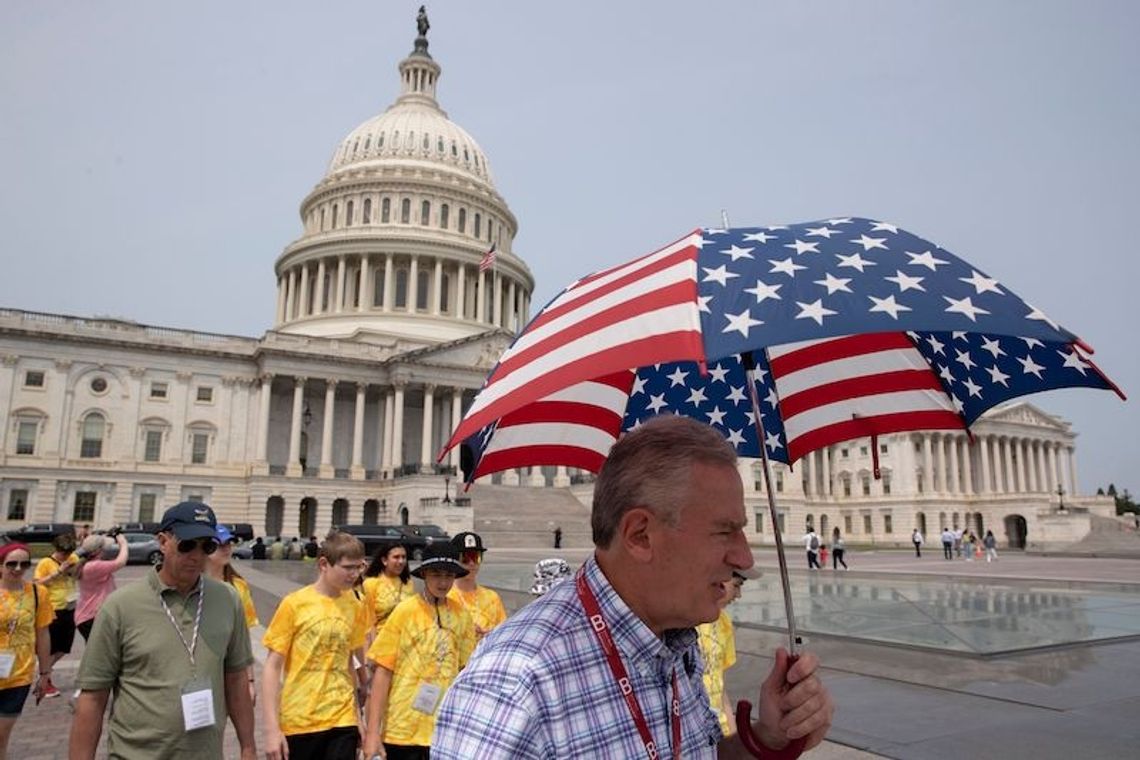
<point x="718" y="648"/>
<point x="312" y="638"/>
<point x="421" y="648"/>
<point x="484" y="605"/>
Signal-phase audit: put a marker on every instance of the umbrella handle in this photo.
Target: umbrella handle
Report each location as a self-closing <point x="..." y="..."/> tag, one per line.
<point x="752" y="743"/>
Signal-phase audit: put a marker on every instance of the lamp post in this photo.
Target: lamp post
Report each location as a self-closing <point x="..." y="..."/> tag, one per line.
<point x="1060" y="498"/>
<point x="446" y="489"/>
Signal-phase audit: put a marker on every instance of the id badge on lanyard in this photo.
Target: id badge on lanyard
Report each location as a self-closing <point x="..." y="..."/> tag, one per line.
<point x="198" y="692"/>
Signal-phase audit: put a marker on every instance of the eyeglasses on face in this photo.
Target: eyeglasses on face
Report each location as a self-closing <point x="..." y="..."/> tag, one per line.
<point x="207" y="545"/>
<point x="18" y="564"/>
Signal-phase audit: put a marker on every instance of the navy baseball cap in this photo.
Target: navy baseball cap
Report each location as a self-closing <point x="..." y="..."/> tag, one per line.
<point x="190" y="519"/>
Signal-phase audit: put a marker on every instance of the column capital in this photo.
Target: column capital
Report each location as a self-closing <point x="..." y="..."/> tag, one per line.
<point x="361" y="386"/>
<point x="430" y="387"/>
<point x="331" y="383"/>
<point x="183" y="377"/>
<point x="9" y="360"/>
<point x="299" y="381"/>
<point x="265" y="378"/>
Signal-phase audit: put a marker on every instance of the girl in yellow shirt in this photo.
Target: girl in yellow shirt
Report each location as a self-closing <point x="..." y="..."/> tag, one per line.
<point x="25" y="613"/>
<point x="219" y="567"/>
<point x="387" y="582"/>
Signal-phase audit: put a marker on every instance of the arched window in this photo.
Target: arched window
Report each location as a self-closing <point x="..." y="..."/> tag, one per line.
<point x="355" y="145"/>
<point x="411" y="142"/>
<point x="466" y="155"/>
<point x="339" y="512"/>
<point x="371" y="512"/>
<point x="367" y="143"/>
<point x="334" y="214"/>
<point x="401" y="288"/>
<point x="454" y="150"/>
<point x="445" y="285"/>
<point x="439" y="145"/>
<point x="490" y="226"/>
<point x="406" y="211"/>
<point x="462" y="220"/>
<point x="444" y="213"/>
<point x="348" y="214"/>
<point x="380" y="141"/>
<point x="422" y="283"/>
<point x="427" y="142"/>
<point x="425" y="213"/>
<point x="94" y="427"/>
<point x="322" y="220"/>
<point x="366" y="218"/>
<point x="385" y="210"/>
<point x="478" y="223"/>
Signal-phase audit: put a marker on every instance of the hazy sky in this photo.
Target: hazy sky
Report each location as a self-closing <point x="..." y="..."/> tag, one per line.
<point x="153" y="156"/>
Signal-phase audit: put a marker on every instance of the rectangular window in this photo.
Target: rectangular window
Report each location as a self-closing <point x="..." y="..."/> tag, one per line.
<point x="194" y="497"/>
<point x="888" y="527"/>
<point x="153" y="452"/>
<point x="34" y="378"/>
<point x="866" y="487"/>
<point x="867" y="524"/>
<point x="200" y="445"/>
<point x="18" y="504"/>
<point x="779" y="482"/>
<point x="847" y="524"/>
<point x="146" y="507"/>
<point x="882" y="448"/>
<point x="759" y="522"/>
<point x="863" y="451"/>
<point x="847" y="488"/>
<point x="158" y="390"/>
<point x="84" y="507"/>
<point x="205" y="394"/>
<point x="26" y="437"/>
<point x="886" y="486"/>
<point x="843" y="453"/>
<point x="783" y="523"/>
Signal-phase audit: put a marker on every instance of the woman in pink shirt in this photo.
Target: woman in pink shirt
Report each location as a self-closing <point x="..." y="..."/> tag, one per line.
<point x="96" y="579"/>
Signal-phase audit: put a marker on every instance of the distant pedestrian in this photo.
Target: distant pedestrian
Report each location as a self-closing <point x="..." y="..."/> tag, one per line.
<point x="258" y="548"/>
<point x="916" y="539"/>
<point x="56" y="573"/>
<point x="958" y="541"/>
<point x="947" y="543"/>
<point x="811" y="544"/>
<point x="311" y="548"/>
<point x="277" y="549"/>
<point x="838" y="549"/>
<point x="968" y="541"/>
<point x="296" y="549"/>
<point x="990" y="544"/>
<point x="95" y="578"/>
<point x="558" y="537"/>
<point x="25" y="615"/>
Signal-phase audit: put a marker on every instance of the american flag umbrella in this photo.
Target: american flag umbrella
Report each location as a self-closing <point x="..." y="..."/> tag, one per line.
<point x="804" y="335"/>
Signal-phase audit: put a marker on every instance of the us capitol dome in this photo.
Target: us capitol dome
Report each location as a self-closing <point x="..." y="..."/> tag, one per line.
<point x="394" y="233"/>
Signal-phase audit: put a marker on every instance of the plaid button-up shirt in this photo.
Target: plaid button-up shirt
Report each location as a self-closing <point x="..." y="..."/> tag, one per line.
<point x="539" y="686"/>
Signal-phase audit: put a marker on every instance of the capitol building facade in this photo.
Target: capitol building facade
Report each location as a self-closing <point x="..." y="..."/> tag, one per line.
<point x="392" y="306"/>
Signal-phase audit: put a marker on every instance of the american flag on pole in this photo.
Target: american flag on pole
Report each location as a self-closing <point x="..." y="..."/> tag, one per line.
<point x="857" y="328"/>
<point x="488" y="259"/>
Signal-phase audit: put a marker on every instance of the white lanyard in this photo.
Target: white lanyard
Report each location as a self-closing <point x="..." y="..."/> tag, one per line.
<point x="14" y="621"/>
<point x="193" y="645"/>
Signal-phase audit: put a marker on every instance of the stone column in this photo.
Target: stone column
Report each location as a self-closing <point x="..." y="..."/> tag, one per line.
<point x="281" y="286"/>
<point x="358" y="434"/>
<point x="293" y="466"/>
<point x="481" y="299"/>
<point x="1072" y="455"/>
<point x="461" y="291"/>
<point x="984" y="457"/>
<point x="291" y="295"/>
<point x="389" y="284"/>
<point x="825" y="458"/>
<point x="1022" y="486"/>
<point x="497" y="306"/>
<point x="327" y="470"/>
<point x="338" y="304"/>
<point x="1007" y="466"/>
<point x="303" y="307"/>
<point x="398" y="429"/>
<point x="927" y="464"/>
<point x="1039" y="466"/>
<point x="1054" y="470"/>
<point x="953" y="484"/>
<point x="319" y="289"/>
<point x="809" y="471"/>
<point x="512" y="313"/>
<point x="386" y="448"/>
<point x="361" y="301"/>
<point x="967" y="465"/>
<point x="263" y="422"/>
<point x="561" y="477"/>
<point x="414" y="285"/>
<point x="437" y="289"/>
<point x="941" y="464"/>
<point x="1030" y="466"/>
<point x="426" y="429"/>
<point x="456" y="415"/>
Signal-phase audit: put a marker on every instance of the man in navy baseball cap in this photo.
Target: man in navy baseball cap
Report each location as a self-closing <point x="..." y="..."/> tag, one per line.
<point x="190" y="520"/>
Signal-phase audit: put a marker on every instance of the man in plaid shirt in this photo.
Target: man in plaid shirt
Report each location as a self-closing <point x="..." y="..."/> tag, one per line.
<point x="608" y="665"/>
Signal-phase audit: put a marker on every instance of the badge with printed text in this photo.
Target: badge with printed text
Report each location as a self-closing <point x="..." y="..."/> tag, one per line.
<point x="7" y="662"/>
<point x="197" y="704"/>
<point x="427" y="698"/>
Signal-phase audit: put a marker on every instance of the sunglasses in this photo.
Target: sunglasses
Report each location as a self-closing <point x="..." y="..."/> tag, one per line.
<point x="473" y="556"/>
<point x="18" y="564"/>
<point x="207" y="545"/>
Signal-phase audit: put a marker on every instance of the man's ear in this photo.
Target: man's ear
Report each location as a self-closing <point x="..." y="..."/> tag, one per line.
<point x="636" y="533"/>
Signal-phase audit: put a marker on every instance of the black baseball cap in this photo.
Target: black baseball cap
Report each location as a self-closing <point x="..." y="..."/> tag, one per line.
<point x="440" y="556"/>
<point x="190" y="519"/>
<point x="467" y="542"/>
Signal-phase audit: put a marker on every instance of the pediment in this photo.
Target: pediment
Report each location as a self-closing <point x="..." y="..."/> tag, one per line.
<point x="480" y="352"/>
<point x="1024" y="414"/>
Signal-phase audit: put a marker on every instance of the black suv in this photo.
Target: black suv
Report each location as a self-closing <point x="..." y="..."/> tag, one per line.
<point x="430" y="532"/>
<point x="375" y="537"/>
<point x="40" y="533"/>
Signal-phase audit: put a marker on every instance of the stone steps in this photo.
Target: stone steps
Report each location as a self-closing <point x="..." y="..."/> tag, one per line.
<point x="523" y="516"/>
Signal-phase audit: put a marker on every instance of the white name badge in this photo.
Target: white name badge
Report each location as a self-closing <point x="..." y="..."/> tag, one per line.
<point x="427" y="698"/>
<point x="197" y="706"/>
<point x="7" y="662"/>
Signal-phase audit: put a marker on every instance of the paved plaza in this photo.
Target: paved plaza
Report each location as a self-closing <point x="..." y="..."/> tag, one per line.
<point x="1030" y="656"/>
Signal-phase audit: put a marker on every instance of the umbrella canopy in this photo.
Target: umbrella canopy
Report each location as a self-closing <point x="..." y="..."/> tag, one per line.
<point x="855" y="327"/>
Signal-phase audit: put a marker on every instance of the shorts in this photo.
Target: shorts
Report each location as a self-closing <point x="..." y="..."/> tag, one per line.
<point x="62" y="631"/>
<point x="12" y="700"/>
<point x="331" y="744"/>
<point x="406" y="751"/>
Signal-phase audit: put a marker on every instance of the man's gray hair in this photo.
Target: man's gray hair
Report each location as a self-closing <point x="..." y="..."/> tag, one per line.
<point x="650" y="468"/>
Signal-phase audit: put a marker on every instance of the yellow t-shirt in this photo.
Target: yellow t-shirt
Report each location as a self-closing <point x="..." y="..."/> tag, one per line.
<point x="242" y="587"/>
<point x="316" y="636"/>
<point x="382" y="594"/>
<point x="18" y="631"/>
<point x="484" y="605"/>
<point x="718" y="647"/>
<point x="418" y="648"/>
<point x="62" y="588"/>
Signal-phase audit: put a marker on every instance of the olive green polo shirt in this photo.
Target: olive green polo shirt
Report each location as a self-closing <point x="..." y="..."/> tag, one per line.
<point x="135" y="651"/>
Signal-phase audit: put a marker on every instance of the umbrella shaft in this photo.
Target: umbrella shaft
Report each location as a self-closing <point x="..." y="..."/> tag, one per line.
<point x="793" y="638"/>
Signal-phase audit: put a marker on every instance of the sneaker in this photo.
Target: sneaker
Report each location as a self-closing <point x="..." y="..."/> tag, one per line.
<point x="50" y="690"/>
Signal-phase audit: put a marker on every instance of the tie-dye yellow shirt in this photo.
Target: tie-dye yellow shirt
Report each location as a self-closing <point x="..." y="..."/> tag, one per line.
<point x="420" y="648"/>
<point x="484" y="605"/>
<point x="242" y="587"/>
<point x="382" y="594"/>
<point x="62" y="587"/>
<point x="316" y="636"/>
<point x="718" y="647"/>
<point x="18" y="630"/>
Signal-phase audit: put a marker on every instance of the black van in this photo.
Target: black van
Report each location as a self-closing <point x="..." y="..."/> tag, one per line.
<point x="241" y="531"/>
<point x="375" y="537"/>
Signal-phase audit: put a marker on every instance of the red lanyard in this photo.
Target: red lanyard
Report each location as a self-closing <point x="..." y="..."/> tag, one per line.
<point x="602" y="631"/>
